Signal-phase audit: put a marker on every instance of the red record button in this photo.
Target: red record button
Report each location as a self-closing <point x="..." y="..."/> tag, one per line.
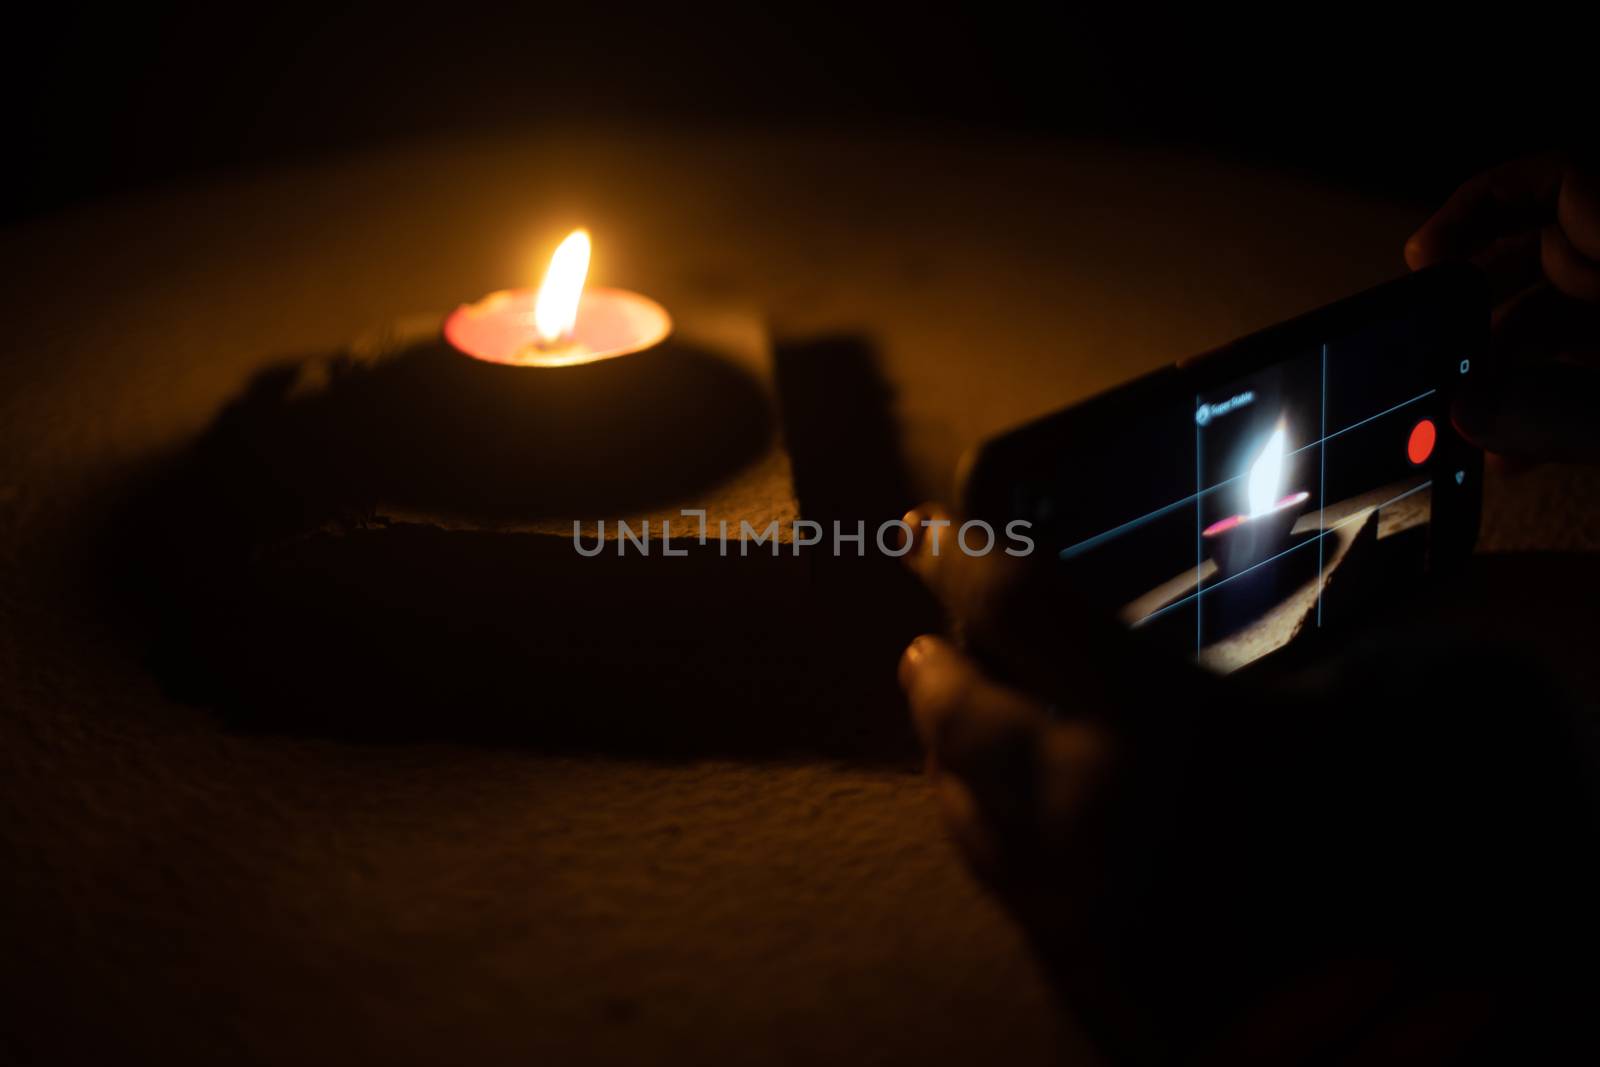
<point x="1420" y="446"/>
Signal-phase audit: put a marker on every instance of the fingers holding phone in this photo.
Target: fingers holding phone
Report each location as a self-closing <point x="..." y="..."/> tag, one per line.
<point x="1533" y="226"/>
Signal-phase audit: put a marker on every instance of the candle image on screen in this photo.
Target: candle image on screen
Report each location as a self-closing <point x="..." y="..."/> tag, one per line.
<point x="1272" y="505"/>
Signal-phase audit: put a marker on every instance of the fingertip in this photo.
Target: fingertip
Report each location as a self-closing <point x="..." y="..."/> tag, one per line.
<point x="925" y="512"/>
<point x="1416" y="251"/>
<point x="938" y="681"/>
<point x="927" y="521"/>
<point x="917" y="520"/>
<point x="1429" y="245"/>
<point x="910" y="659"/>
<point x="913" y="524"/>
<point x="918" y="654"/>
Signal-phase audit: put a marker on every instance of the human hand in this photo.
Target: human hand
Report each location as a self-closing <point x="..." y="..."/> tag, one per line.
<point x="1533" y="226"/>
<point x="1211" y="871"/>
<point x="1110" y="801"/>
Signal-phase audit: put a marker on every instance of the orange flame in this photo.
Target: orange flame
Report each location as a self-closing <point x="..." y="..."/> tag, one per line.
<point x="555" y="311"/>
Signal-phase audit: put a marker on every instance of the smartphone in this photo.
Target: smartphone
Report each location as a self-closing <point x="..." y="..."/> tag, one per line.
<point x="1243" y="501"/>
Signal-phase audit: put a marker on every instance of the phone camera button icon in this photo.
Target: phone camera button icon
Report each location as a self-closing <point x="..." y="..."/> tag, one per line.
<point x="1466" y="365"/>
<point x="1202" y="414"/>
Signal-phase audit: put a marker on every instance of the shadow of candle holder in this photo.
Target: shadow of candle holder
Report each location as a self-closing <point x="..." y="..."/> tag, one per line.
<point x="287" y="605"/>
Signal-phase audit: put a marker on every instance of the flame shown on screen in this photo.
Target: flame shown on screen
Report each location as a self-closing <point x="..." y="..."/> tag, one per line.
<point x="1266" y="473"/>
<point x="555" y="312"/>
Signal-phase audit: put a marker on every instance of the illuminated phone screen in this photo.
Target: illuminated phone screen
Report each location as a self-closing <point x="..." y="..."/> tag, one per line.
<point x="1231" y="518"/>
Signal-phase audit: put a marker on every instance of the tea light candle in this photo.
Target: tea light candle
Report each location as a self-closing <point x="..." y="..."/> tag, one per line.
<point x="1239" y="541"/>
<point x="562" y="323"/>
<point x="1262" y="485"/>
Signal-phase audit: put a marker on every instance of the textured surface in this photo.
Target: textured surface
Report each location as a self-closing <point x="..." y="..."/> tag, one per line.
<point x="173" y="889"/>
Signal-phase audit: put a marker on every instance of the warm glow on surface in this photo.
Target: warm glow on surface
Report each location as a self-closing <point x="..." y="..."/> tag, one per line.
<point x="555" y="312"/>
<point x="1266" y="473"/>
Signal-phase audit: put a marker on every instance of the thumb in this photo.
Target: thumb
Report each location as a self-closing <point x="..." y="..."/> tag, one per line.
<point x="1541" y="412"/>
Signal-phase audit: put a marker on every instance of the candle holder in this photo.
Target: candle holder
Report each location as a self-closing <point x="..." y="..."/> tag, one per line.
<point x="560" y="324"/>
<point x="425" y="428"/>
<point x="1240" y="542"/>
<point x="610" y="323"/>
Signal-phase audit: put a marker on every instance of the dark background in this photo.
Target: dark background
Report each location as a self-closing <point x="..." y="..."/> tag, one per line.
<point x="110" y="98"/>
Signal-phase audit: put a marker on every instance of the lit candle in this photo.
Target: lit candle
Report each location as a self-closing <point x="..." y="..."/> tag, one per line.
<point x="1262" y="485"/>
<point x="1242" y="540"/>
<point x="562" y="323"/>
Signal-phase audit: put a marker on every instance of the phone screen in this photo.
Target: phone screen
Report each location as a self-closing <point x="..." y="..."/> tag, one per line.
<point x="1289" y="488"/>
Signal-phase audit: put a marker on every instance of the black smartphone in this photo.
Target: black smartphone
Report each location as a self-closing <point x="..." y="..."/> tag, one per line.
<point x="1241" y="501"/>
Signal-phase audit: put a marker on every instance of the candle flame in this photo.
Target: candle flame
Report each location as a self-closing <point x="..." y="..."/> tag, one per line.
<point x="1266" y="473"/>
<point x="555" y="312"/>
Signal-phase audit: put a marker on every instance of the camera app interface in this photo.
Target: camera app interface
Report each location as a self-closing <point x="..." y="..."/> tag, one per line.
<point x="1231" y="523"/>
